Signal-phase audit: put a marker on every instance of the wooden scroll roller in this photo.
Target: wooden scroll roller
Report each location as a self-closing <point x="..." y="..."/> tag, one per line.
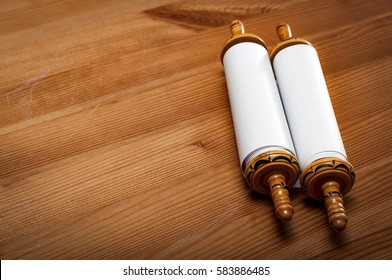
<point x="325" y="172"/>
<point x="264" y="143"/>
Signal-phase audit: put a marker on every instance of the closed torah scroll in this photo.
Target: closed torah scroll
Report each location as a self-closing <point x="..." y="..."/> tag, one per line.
<point x="265" y="148"/>
<point x="326" y="175"/>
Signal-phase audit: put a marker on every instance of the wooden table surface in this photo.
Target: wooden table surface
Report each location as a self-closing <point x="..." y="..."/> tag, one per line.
<point x="116" y="137"/>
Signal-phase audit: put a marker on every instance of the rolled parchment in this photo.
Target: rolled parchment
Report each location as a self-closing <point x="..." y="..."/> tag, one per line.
<point x="325" y="172"/>
<point x="265" y="148"/>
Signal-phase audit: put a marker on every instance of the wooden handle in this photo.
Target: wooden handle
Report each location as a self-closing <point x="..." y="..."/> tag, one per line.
<point x="236" y="27"/>
<point x="284" y="209"/>
<point x="286" y="39"/>
<point x="238" y="35"/>
<point x="284" y="31"/>
<point x="274" y="173"/>
<point x="333" y="201"/>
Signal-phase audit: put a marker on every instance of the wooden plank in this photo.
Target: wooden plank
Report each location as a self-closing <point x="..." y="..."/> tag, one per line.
<point x="143" y="54"/>
<point x="116" y="138"/>
<point x="24" y="144"/>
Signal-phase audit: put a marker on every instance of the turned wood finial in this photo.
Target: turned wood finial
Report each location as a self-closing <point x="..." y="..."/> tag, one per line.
<point x="238" y="35"/>
<point x="284" y="209"/>
<point x="328" y="179"/>
<point x="274" y="173"/>
<point x="333" y="201"/>
<point x="284" y="31"/>
<point x="236" y="27"/>
<point x="286" y="39"/>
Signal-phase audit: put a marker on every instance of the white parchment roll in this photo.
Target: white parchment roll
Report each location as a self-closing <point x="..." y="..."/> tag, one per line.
<point x="307" y="104"/>
<point x="259" y="120"/>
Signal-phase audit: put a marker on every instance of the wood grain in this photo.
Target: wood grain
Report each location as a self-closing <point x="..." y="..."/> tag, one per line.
<point x="116" y="138"/>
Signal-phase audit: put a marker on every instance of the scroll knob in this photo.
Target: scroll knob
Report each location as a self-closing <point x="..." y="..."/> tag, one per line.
<point x="284" y="31"/>
<point x="280" y="196"/>
<point x="333" y="201"/>
<point x="237" y="27"/>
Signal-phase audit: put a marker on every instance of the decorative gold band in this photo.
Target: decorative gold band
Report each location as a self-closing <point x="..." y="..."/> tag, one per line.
<point x="321" y="171"/>
<point x="238" y="36"/>
<point x="276" y="162"/>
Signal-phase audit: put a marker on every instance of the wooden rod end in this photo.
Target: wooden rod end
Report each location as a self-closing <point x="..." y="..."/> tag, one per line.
<point x="333" y="201"/>
<point x="284" y="209"/>
<point x="237" y="27"/>
<point x="284" y="31"/>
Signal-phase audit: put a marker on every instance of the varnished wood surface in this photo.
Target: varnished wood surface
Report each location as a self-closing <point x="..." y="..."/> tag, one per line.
<point x="116" y="138"/>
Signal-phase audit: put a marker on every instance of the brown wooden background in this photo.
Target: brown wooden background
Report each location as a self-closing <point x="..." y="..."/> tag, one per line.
<point x="116" y="138"/>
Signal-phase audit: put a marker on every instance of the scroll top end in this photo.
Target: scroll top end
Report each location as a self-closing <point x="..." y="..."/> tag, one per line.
<point x="284" y="31"/>
<point x="236" y="27"/>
